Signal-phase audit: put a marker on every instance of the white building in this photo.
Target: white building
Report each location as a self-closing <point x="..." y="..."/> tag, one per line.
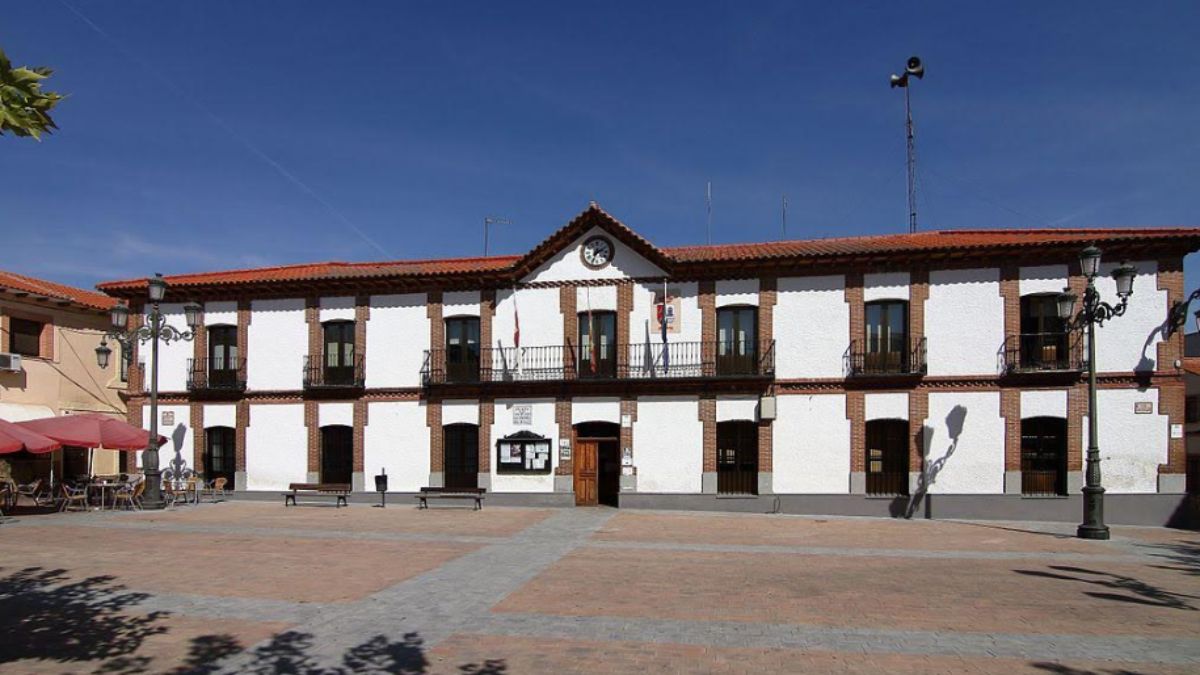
<point x="912" y="374"/>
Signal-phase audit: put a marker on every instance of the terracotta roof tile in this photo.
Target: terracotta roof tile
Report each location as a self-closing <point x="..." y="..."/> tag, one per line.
<point x="12" y="282"/>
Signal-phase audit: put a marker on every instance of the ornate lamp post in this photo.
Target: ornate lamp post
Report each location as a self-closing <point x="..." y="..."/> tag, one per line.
<point x="1094" y="312"/>
<point x="155" y="329"/>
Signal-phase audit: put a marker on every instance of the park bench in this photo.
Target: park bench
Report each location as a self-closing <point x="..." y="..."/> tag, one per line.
<point x="428" y="493"/>
<point x="338" y="491"/>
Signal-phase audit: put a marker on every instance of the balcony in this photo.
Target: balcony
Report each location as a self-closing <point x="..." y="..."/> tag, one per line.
<point x="1043" y="353"/>
<point x="910" y="362"/>
<point x="216" y="376"/>
<point x="620" y="362"/>
<point x="321" y="377"/>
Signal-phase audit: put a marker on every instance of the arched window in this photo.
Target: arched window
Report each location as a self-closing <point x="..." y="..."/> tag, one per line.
<point x="887" y="457"/>
<point x="337" y="454"/>
<point x="886" y="339"/>
<point x="1043" y="334"/>
<point x="220" y="455"/>
<point x="737" y="458"/>
<point x="737" y="340"/>
<point x="460" y="455"/>
<point x="1044" y="456"/>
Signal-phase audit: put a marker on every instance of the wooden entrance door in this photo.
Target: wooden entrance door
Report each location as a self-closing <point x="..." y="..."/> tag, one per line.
<point x="461" y="456"/>
<point x="586" y="474"/>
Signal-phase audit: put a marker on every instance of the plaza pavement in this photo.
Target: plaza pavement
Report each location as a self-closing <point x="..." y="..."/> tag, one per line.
<point x="253" y="587"/>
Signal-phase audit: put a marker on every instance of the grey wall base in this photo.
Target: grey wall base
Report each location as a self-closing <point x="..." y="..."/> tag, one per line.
<point x="1172" y="483"/>
<point x="484" y="480"/>
<point x="358" y="481"/>
<point x="564" y="484"/>
<point x="858" y="483"/>
<point x="765" y="483"/>
<point x="629" y="483"/>
<point x="708" y="482"/>
<point x="436" y="479"/>
<point x="313" y="477"/>
<point x="1074" y="482"/>
<point x="1012" y="482"/>
<point x="239" y="481"/>
<point x="404" y="500"/>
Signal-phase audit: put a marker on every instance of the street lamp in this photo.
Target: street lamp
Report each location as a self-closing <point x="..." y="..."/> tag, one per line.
<point x="155" y="329"/>
<point x="1094" y="312"/>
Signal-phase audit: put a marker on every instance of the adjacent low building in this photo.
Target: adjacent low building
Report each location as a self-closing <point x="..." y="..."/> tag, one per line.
<point x="911" y="374"/>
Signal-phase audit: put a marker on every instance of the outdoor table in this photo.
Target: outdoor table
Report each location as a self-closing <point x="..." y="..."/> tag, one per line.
<point x="102" y="488"/>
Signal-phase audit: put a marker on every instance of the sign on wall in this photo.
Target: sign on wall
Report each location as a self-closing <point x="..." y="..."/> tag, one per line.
<point x="522" y="415"/>
<point x="674" y="315"/>
<point x="1176" y="431"/>
<point x="168" y="418"/>
<point x="1143" y="408"/>
<point x="564" y="449"/>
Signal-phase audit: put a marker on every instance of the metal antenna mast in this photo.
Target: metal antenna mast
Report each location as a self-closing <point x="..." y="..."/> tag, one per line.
<point x="708" y="208"/>
<point x="915" y="68"/>
<point x="488" y="221"/>
<point x="784" y="224"/>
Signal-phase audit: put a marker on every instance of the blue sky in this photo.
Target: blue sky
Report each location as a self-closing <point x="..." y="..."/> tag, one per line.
<point x="220" y="134"/>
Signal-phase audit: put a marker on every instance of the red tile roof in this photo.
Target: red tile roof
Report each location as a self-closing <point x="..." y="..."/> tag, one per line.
<point x="23" y="286"/>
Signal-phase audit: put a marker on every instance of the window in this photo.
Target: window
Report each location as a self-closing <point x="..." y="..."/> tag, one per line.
<point x="1192" y="410"/>
<point x="339" y="353"/>
<point x="597" y="344"/>
<point x="223" y="362"/>
<point x="737" y="340"/>
<point x="25" y="337"/>
<point x="887" y="337"/>
<point x="462" y="349"/>
<point x="1043" y="334"/>
<point x="123" y="364"/>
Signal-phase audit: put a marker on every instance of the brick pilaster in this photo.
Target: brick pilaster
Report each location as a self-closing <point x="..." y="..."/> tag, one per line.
<point x="854" y="298"/>
<point x="242" y="421"/>
<point x="1172" y="398"/>
<point x="199" y="345"/>
<point x="624" y="317"/>
<point x="567" y="302"/>
<point x="562" y="415"/>
<point x="1172" y="394"/>
<point x="706" y="299"/>
<point x="629" y="407"/>
<point x="708" y="423"/>
<point x="1076" y="409"/>
<point x="767" y="295"/>
<point x="918" y="293"/>
<point x="313" y="427"/>
<point x="437" y="344"/>
<point x="487" y="415"/>
<point x="137" y="317"/>
<point x="487" y="312"/>
<point x="312" y="315"/>
<point x="197" y="422"/>
<point x="359" y="435"/>
<point x="243" y="332"/>
<point x="362" y="314"/>
<point x="918" y="412"/>
<point x="856" y="412"/>
<point x="1010" y="293"/>
<point x="133" y="414"/>
<point x="433" y="419"/>
<point x="1010" y="410"/>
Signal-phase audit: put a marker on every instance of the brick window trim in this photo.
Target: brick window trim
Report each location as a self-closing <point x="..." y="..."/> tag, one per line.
<point x="45" y="337"/>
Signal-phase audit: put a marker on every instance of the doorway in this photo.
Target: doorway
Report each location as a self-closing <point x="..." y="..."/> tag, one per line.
<point x="887" y="457"/>
<point x="461" y="455"/>
<point x="597" y="464"/>
<point x="737" y="458"/>
<point x="1044" y="456"/>
<point x="337" y="454"/>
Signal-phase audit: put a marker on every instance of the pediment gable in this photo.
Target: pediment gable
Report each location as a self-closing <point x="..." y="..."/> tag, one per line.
<point x="559" y="257"/>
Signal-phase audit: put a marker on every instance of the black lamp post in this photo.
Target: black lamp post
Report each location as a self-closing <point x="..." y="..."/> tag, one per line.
<point x="155" y="329"/>
<point x="1094" y="312"/>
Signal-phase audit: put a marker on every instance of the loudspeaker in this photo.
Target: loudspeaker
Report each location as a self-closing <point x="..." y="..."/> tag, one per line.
<point x="915" y="67"/>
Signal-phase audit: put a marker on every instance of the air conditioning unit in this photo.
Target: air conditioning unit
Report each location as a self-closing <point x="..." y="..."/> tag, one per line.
<point x="10" y="363"/>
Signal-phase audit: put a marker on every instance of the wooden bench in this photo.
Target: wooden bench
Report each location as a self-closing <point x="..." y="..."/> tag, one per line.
<point x="338" y="491"/>
<point x="428" y="493"/>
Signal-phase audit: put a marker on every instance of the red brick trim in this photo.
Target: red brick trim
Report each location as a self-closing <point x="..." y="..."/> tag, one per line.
<point x="1172" y="397"/>
<point x="487" y="416"/>
<point x="1010" y="410"/>
<point x="707" y="300"/>
<point x="767" y="297"/>
<point x="133" y="414"/>
<point x="918" y="294"/>
<point x="243" y="330"/>
<point x="629" y="406"/>
<point x="437" y="329"/>
<point x="487" y="312"/>
<point x="312" y="316"/>
<point x="567" y="304"/>
<point x="200" y="342"/>
<point x="1076" y="409"/>
<point x="433" y="419"/>
<point x="360" y="426"/>
<point x="562" y="415"/>
<point x="313" y="427"/>
<point x="854" y="298"/>
<point x="1010" y="292"/>
<point x="624" y="318"/>
<point x="707" y="414"/>
<point x="362" y="314"/>
<point x="918" y="412"/>
<point x="197" y="422"/>
<point x="856" y="412"/>
<point x="241" y="422"/>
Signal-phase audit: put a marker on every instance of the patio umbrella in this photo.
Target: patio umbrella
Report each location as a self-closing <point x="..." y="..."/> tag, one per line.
<point x="92" y="430"/>
<point x="15" y="438"/>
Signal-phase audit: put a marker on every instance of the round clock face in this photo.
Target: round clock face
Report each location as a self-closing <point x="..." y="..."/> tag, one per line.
<point x="597" y="252"/>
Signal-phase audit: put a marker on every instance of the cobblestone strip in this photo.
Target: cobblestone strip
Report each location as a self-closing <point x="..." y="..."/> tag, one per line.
<point x="864" y="552"/>
<point x="449" y="599"/>
<point x="848" y="640"/>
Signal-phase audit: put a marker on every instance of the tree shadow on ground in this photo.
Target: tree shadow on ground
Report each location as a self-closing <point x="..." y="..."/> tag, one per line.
<point x="1134" y="591"/>
<point x="1068" y="670"/>
<point x="94" y="625"/>
<point x="1184" y="556"/>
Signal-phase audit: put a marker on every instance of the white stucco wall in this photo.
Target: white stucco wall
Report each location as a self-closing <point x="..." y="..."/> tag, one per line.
<point x="668" y="444"/>
<point x="886" y="286"/>
<point x="964" y="321"/>
<point x="1131" y="445"/>
<point x="396" y="438"/>
<point x="173" y="357"/>
<point x="543" y="425"/>
<point x="737" y="292"/>
<point x="587" y="409"/>
<point x="1043" y="403"/>
<point x="337" y="309"/>
<point x="220" y="415"/>
<point x="541" y="320"/>
<point x="645" y="313"/>
<point x="461" y="303"/>
<point x="277" y="341"/>
<point x="460" y="412"/>
<point x="179" y="437"/>
<point x="811" y="440"/>
<point x="1129" y="342"/>
<point x="812" y="326"/>
<point x="1042" y="279"/>
<point x="735" y="408"/>
<point x="276" y="447"/>
<point x="329" y="414"/>
<point x="397" y="337"/>
<point x="890" y="406"/>
<point x="964" y="443"/>
<point x="568" y="265"/>
<point x="601" y="298"/>
<point x="220" y="313"/>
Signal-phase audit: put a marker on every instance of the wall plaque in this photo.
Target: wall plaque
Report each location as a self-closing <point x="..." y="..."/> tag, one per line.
<point x="168" y="418"/>
<point x="1143" y="408"/>
<point x="522" y="415"/>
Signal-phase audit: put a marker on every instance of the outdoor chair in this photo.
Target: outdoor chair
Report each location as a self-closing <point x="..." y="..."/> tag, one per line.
<point x="127" y="495"/>
<point x="73" y="497"/>
<point x="215" y="488"/>
<point x="31" y="490"/>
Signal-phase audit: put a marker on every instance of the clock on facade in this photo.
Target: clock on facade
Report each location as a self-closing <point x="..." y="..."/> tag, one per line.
<point x="597" y="252"/>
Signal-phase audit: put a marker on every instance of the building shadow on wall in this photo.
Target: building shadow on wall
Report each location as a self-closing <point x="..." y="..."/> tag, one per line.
<point x="178" y="465"/>
<point x="907" y="507"/>
<point x="94" y="625"/>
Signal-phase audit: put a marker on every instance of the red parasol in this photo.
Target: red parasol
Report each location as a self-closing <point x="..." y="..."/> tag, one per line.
<point x="92" y="430"/>
<point x="15" y="438"/>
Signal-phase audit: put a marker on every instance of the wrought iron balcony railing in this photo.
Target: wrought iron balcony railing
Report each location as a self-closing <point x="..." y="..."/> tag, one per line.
<point x="216" y="375"/>
<point x="320" y="375"/>
<point x="623" y="361"/>
<point x="910" y="360"/>
<point x="1043" y="352"/>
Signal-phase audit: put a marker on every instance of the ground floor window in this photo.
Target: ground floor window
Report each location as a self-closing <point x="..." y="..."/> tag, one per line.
<point x="337" y="454"/>
<point x="460" y="458"/>
<point x="737" y="458"/>
<point x="887" y="457"/>
<point x="1044" y="456"/>
<point x="219" y="455"/>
